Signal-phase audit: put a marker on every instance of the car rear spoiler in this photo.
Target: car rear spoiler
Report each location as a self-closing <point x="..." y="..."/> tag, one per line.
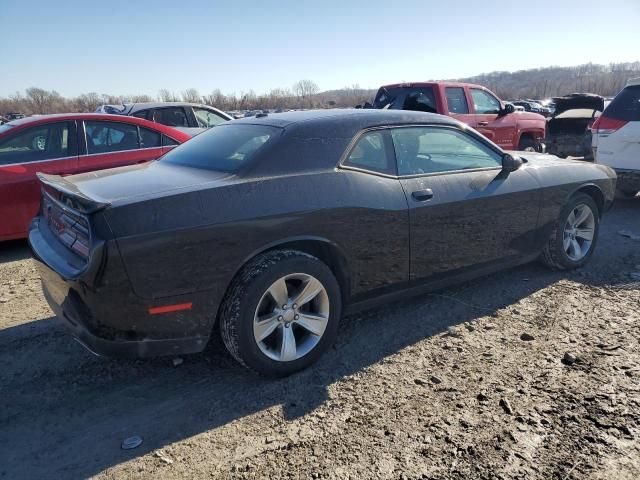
<point x="70" y="194"/>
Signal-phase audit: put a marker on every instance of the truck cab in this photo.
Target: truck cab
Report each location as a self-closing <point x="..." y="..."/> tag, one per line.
<point x="472" y="104"/>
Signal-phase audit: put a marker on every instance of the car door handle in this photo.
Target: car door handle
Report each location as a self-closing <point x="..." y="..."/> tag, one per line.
<point x="423" y="195"/>
<point x="483" y="124"/>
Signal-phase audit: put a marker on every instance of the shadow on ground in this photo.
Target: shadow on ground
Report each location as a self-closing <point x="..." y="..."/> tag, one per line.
<point x="14" y="250"/>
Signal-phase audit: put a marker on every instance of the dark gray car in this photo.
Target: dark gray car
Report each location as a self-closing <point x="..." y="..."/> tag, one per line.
<point x="270" y="227"/>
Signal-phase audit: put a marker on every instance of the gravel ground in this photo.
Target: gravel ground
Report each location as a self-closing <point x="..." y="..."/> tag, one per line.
<point x="525" y="374"/>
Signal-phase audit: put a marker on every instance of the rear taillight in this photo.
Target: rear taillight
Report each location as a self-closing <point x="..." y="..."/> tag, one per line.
<point x="70" y="228"/>
<point x="605" y="125"/>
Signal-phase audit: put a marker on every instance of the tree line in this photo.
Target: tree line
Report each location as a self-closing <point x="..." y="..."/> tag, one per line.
<point x="606" y="80"/>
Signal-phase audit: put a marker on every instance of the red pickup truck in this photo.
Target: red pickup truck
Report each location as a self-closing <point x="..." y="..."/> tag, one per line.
<point x="472" y="104"/>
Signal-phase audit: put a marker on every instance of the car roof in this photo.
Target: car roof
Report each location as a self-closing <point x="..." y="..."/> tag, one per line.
<point x="131" y="108"/>
<point x="350" y="120"/>
<point x="633" y="81"/>
<point x="41" y="119"/>
<point x="433" y="83"/>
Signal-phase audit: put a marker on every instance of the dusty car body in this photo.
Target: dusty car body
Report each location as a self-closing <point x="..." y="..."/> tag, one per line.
<point x="191" y="241"/>
<point x="569" y="129"/>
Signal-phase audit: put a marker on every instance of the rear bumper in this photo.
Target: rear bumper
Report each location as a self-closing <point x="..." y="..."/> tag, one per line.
<point x="74" y="321"/>
<point x="578" y="145"/>
<point x="105" y="316"/>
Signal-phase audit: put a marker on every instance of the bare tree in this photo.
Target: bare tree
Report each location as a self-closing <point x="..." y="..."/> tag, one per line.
<point x="191" y="95"/>
<point x="43" y="101"/>
<point x="87" y="102"/>
<point x="305" y="90"/>
<point x="166" y="96"/>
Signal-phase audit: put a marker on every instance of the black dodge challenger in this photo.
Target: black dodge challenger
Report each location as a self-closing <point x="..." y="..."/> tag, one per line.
<point x="271" y="228"/>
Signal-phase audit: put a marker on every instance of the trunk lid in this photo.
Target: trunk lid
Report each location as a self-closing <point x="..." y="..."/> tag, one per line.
<point x="573" y="101"/>
<point x="118" y="186"/>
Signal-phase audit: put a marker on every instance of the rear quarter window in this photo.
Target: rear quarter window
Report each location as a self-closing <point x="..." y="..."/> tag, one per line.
<point x="626" y="105"/>
<point x="226" y="148"/>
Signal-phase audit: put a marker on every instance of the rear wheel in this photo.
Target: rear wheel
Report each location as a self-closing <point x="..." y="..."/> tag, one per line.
<point x="574" y="234"/>
<point x="281" y="312"/>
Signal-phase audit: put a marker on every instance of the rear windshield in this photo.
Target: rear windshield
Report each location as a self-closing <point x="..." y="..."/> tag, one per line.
<point x="225" y="148"/>
<point x="421" y="99"/>
<point x="626" y="105"/>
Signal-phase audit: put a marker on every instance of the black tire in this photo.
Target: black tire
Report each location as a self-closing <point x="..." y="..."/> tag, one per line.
<point x="244" y="294"/>
<point x="528" y="143"/>
<point x="553" y="254"/>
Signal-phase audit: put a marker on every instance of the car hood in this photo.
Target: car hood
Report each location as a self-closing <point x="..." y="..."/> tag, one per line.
<point x="140" y="182"/>
<point x="578" y="101"/>
<point x="529" y="115"/>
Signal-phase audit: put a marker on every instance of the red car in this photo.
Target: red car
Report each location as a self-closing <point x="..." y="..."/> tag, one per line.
<point x="64" y="145"/>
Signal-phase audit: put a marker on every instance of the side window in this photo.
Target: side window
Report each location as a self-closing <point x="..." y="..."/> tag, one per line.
<point x="484" y="102"/>
<point x="370" y="153"/>
<point x="207" y="118"/>
<point x="168" y="141"/>
<point x="105" y="137"/>
<point x="421" y="150"/>
<point x="44" y="142"/>
<point x="171" y="116"/>
<point x="149" y="138"/>
<point x="457" y="100"/>
<point x="142" y="114"/>
<point x="421" y="100"/>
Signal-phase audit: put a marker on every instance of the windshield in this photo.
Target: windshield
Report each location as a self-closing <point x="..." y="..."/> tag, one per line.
<point x="225" y="148"/>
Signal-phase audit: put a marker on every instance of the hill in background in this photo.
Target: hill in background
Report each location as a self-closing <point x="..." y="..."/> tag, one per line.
<point x="606" y="80"/>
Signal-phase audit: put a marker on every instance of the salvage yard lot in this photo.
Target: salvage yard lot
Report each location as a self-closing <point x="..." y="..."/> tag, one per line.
<point x="524" y="374"/>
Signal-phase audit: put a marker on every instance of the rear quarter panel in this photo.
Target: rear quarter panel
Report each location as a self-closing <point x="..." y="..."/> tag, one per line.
<point x="560" y="179"/>
<point x="199" y="240"/>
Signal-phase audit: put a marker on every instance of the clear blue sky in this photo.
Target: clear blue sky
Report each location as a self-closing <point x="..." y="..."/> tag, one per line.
<point x="141" y="46"/>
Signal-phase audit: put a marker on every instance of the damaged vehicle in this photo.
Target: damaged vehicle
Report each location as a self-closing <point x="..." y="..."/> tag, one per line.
<point x="569" y="129"/>
<point x="269" y="228"/>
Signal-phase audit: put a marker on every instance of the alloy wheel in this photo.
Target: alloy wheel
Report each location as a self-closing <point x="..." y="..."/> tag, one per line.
<point x="291" y="317"/>
<point x="579" y="231"/>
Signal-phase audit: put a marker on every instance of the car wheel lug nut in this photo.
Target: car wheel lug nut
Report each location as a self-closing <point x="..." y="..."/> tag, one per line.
<point x="296" y="317"/>
<point x="280" y="318"/>
<point x="295" y="305"/>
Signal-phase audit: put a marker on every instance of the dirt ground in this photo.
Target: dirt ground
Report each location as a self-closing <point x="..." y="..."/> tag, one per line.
<point x="526" y="374"/>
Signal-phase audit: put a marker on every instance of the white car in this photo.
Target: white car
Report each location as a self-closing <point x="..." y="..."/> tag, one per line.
<point x="616" y="138"/>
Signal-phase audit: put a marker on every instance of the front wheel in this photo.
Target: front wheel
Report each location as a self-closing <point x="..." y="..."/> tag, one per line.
<point x="281" y="312"/>
<point x="528" y="144"/>
<point x="574" y="235"/>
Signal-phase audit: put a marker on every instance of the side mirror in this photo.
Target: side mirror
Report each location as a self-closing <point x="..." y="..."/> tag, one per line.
<point x="511" y="163"/>
<point x="508" y="108"/>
